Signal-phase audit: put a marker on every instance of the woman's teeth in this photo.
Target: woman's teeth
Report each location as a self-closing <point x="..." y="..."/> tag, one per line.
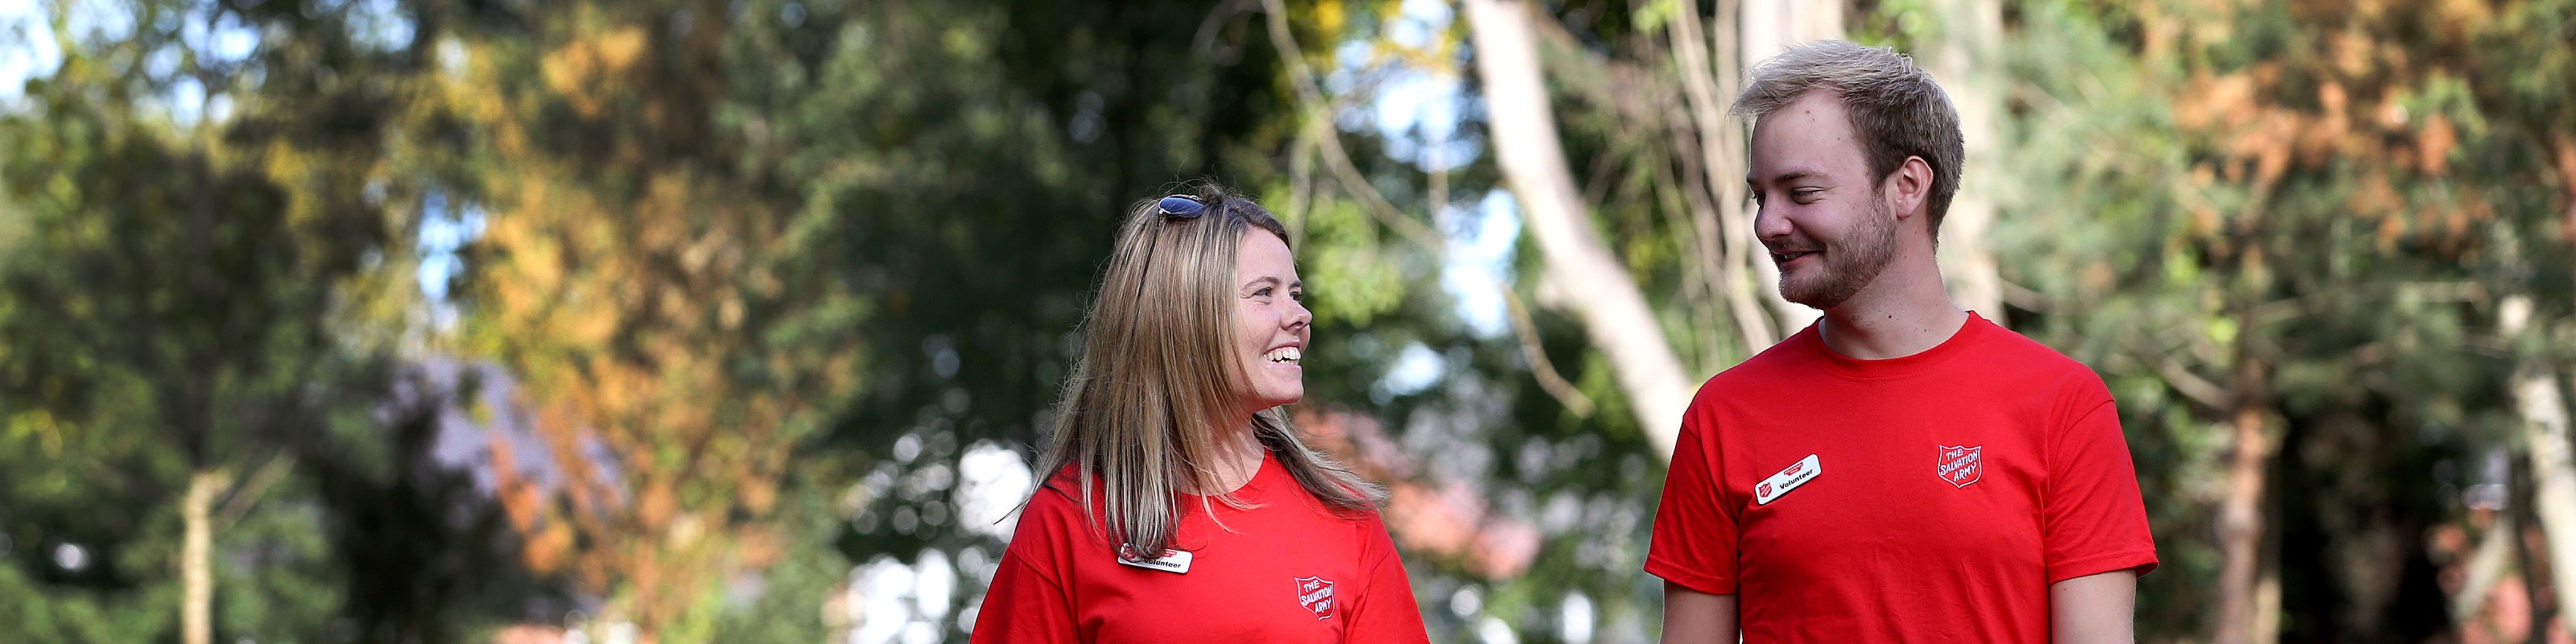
<point x="1288" y="355"/>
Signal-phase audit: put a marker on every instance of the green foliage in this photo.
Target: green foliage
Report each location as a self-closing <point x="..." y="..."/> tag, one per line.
<point x="2265" y="184"/>
<point x="1346" y="267"/>
<point x="765" y="270"/>
<point x="195" y="294"/>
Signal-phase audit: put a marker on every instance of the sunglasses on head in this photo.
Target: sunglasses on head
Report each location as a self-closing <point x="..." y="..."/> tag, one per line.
<point x="1180" y="207"/>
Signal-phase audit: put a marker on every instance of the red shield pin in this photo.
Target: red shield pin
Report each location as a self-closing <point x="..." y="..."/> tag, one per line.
<point x="1316" y="594"/>
<point x="1961" y="465"/>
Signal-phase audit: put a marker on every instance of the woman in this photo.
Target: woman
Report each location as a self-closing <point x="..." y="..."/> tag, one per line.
<point x="1183" y="507"/>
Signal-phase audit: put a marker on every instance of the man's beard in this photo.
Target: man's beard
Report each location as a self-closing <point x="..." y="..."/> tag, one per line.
<point x="1848" y="268"/>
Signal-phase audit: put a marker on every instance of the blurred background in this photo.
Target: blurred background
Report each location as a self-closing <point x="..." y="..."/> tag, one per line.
<point x="684" y="321"/>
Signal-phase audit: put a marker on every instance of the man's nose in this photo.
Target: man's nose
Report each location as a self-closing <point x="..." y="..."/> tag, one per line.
<point x="1769" y="223"/>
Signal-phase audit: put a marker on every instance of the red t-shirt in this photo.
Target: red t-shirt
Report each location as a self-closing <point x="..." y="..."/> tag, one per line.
<point x="1286" y="570"/>
<point x="1947" y="490"/>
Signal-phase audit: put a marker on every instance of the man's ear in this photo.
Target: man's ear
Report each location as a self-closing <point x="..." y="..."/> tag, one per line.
<point x="1910" y="187"/>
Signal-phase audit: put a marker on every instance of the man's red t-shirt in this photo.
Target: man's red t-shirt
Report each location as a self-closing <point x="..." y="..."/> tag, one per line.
<point x="1932" y="497"/>
<point x="1286" y="570"/>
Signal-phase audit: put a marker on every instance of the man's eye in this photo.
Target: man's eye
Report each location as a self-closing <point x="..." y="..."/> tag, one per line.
<point x="1804" y="195"/>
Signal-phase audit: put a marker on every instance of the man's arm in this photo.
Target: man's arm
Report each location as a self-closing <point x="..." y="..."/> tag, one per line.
<point x="1694" y="617"/>
<point x="2092" y="609"/>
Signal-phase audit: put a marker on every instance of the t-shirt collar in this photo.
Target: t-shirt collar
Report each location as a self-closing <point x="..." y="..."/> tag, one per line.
<point x="1860" y="369"/>
<point x="1263" y="478"/>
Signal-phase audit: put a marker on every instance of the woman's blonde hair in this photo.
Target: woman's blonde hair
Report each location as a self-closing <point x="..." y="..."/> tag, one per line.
<point x="1158" y="373"/>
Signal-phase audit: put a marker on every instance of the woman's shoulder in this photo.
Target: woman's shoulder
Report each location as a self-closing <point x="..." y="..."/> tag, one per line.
<point x="1367" y="519"/>
<point x="1062" y="492"/>
<point x="1054" y="512"/>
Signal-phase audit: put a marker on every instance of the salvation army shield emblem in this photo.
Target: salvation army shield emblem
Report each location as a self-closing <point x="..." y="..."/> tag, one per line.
<point x="1961" y="465"/>
<point x="1316" y="594"/>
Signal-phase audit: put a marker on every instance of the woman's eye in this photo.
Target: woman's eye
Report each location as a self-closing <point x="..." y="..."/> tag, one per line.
<point x="1264" y="292"/>
<point x="1297" y="295"/>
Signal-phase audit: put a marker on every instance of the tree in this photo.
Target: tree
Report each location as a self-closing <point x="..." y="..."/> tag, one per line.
<point x="2205" y="254"/>
<point x="1579" y="264"/>
<point x="758" y="252"/>
<point x="204" y="309"/>
<point x="1708" y="150"/>
<point x="2286" y="251"/>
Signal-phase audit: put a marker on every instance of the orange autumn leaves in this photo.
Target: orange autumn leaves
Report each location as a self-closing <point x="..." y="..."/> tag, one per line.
<point x="639" y="295"/>
<point x="2375" y="94"/>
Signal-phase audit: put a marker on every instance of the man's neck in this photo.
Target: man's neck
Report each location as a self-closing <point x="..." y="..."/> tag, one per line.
<point x="1903" y="313"/>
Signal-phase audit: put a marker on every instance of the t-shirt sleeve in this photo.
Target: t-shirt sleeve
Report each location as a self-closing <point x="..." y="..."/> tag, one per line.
<point x="1694" y="538"/>
<point x="1385" y="611"/>
<point x="2095" y="521"/>
<point x="1027" y="601"/>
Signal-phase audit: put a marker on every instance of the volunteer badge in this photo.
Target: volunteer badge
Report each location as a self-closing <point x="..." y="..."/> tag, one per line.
<point x="1172" y="561"/>
<point x="1798" y="474"/>
<point x="1317" y="595"/>
<point x="1961" y="465"/>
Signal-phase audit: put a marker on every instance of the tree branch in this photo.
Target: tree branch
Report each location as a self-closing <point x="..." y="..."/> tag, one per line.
<point x="1319" y="125"/>
<point x="2178" y="376"/>
<point x="1549" y="380"/>
<point x="1722" y="231"/>
<point x="1615" y="314"/>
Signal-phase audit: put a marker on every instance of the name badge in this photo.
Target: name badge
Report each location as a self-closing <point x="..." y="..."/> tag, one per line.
<point x="1788" y="479"/>
<point x="1172" y="561"/>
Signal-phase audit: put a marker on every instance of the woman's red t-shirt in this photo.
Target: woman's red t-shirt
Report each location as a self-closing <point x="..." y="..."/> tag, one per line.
<point x="1287" y="569"/>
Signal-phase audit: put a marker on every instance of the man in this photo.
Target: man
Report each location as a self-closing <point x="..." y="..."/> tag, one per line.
<point x="1902" y="470"/>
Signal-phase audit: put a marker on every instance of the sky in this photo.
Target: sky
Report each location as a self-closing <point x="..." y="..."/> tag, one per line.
<point x="27" y="48"/>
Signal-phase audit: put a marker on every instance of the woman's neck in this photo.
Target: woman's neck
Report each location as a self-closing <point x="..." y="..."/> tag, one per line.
<point x="1234" y="457"/>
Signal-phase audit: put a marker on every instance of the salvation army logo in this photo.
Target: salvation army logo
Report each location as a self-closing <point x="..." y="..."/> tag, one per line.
<point x="1316" y="595"/>
<point x="1762" y="491"/>
<point x="1961" y="465"/>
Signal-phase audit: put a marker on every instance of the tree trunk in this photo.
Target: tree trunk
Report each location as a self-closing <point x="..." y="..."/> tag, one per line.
<point x="1767" y="28"/>
<point x="1966" y="59"/>
<point x="1614" y="312"/>
<point x="1724" y="229"/>
<point x="2240" y="515"/>
<point x="196" y="557"/>
<point x="2545" y="439"/>
<point x="1770" y="26"/>
<point x="2487" y="565"/>
<point x="2534" y="593"/>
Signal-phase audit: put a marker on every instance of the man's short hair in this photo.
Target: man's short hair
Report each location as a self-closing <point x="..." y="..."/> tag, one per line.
<point x="1896" y="109"/>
